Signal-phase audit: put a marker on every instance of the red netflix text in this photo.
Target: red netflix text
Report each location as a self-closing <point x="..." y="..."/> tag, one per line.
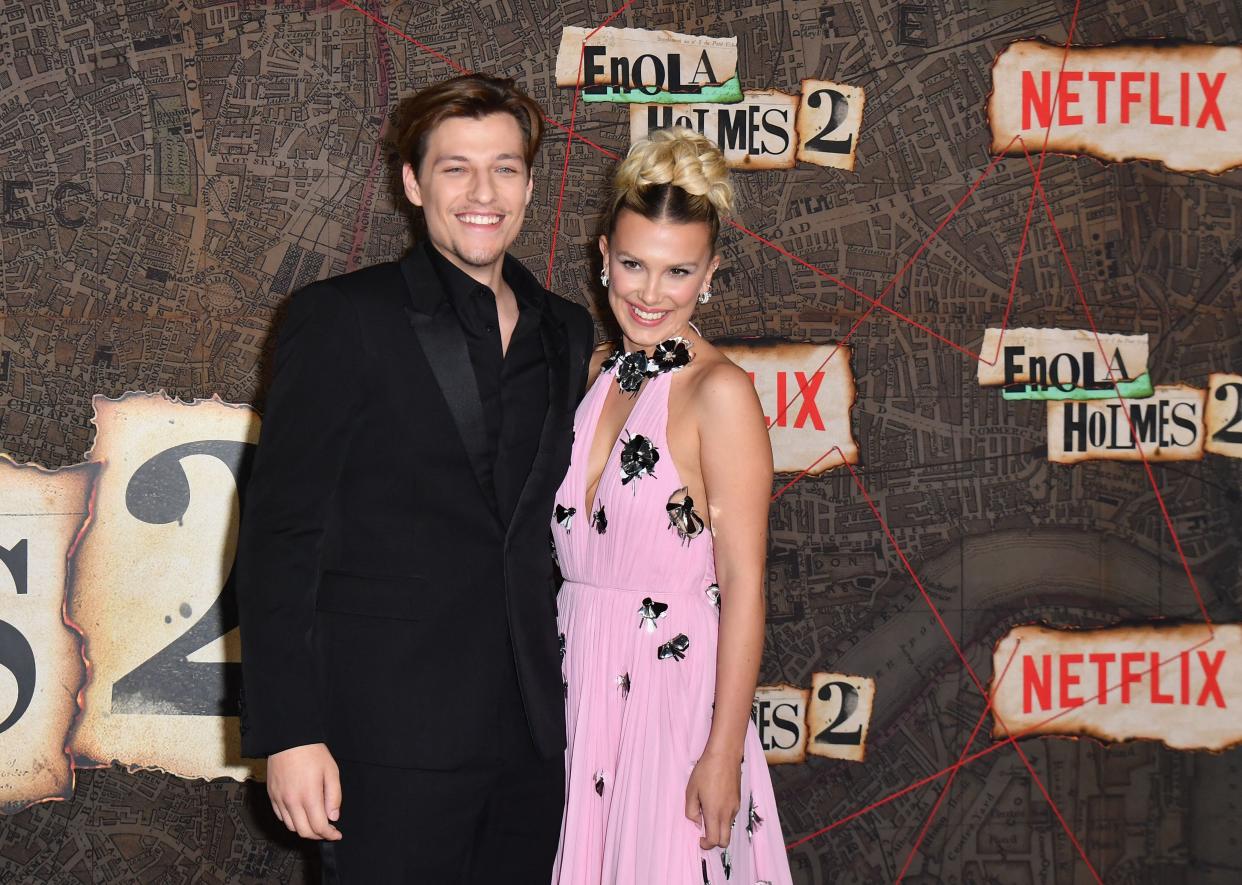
<point x="1060" y="681"/>
<point x="1100" y="97"/>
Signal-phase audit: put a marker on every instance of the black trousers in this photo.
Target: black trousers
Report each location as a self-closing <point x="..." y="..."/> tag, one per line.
<point x="495" y="822"/>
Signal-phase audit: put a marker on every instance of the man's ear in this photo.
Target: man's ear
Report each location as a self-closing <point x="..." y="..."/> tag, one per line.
<point x="530" y="188"/>
<point x="413" y="192"/>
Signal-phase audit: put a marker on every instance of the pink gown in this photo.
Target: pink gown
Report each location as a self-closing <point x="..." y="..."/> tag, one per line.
<point x="639" y="622"/>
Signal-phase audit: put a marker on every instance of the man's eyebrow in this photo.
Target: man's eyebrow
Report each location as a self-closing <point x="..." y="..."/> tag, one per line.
<point x="457" y="158"/>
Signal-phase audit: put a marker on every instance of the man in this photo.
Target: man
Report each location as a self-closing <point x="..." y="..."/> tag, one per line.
<point x="400" y="655"/>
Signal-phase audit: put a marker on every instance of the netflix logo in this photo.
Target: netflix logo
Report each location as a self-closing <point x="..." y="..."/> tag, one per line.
<point x="1181" y="685"/>
<point x="1130" y="98"/>
<point x="806" y="391"/>
<point x="1179" y="104"/>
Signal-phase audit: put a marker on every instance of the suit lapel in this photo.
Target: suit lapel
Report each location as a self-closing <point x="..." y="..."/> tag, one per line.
<point x="444" y="344"/>
<point x="556" y="353"/>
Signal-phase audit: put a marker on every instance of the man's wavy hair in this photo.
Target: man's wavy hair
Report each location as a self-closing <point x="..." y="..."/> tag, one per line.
<point x="470" y="95"/>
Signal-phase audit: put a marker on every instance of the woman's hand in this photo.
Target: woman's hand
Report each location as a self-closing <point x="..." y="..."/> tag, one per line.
<point x="713" y="797"/>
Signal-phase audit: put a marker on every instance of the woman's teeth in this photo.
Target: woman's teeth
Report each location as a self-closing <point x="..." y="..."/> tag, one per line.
<point x="648" y="316"/>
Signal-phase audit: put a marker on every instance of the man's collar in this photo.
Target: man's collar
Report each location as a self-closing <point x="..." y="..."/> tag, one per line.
<point x="459" y="285"/>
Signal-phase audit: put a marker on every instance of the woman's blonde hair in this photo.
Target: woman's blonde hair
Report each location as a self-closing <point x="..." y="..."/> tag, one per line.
<point x="673" y="175"/>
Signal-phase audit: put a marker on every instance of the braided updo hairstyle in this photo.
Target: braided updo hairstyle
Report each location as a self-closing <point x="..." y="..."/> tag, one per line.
<point x="673" y="175"/>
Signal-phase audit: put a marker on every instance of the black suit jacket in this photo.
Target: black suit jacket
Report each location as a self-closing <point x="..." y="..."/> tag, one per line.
<point x="384" y="603"/>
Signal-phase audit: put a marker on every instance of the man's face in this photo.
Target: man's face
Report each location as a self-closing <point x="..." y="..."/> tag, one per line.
<point x="473" y="187"/>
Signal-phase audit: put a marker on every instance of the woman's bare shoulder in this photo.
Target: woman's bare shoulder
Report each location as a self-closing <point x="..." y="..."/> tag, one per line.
<point x="600" y="353"/>
<point x="718" y="376"/>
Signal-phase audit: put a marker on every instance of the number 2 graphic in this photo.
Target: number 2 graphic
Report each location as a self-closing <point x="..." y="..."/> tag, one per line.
<point x="168" y="682"/>
<point x="849" y="703"/>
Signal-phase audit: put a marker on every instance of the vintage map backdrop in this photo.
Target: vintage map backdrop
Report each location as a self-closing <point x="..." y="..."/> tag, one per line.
<point x="173" y="170"/>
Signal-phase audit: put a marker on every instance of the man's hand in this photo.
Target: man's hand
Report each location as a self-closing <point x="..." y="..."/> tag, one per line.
<point x="304" y="785"/>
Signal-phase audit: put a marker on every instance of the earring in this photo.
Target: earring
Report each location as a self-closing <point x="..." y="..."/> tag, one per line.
<point x="706" y="295"/>
<point x="603" y="276"/>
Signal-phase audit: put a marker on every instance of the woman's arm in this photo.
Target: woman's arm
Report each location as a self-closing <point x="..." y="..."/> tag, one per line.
<point x="736" y="462"/>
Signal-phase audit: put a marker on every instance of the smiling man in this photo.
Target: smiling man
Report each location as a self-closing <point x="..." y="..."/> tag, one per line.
<point x="400" y="654"/>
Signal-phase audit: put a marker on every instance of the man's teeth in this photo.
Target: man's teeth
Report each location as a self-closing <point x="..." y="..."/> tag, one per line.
<point x="644" y="315"/>
<point x="480" y="219"/>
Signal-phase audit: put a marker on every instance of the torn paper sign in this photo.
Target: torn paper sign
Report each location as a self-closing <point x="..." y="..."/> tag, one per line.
<point x="634" y="58"/>
<point x="807" y="391"/>
<point x="42" y="513"/>
<point x="1176" y="103"/>
<point x="840" y="716"/>
<point x="1181" y="685"/>
<point x="779" y="712"/>
<point x="152" y="583"/>
<point x="759" y="132"/>
<point x="1223" y="424"/>
<point x="1168" y="426"/>
<point x="829" y="122"/>
<point x="1060" y="358"/>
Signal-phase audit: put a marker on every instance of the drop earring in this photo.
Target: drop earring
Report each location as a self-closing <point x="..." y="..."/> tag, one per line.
<point x="706" y="295"/>
<point x="603" y="277"/>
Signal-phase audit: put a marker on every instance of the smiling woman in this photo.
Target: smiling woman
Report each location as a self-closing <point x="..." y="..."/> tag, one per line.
<point x="667" y="780"/>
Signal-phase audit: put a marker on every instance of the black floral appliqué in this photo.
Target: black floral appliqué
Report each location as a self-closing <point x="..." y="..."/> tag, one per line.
<point x="753" y="820"/>
<point x="713" y="595"/>
<point x="565" y="515"/>
<point x="635" y="367"/>
<point x="682" y="515"/>
<point x="672" y="355"/>
<point x="599" y="520"/>
<point x="651" y="612"/>
<point x="623" y="683"/>
<point x="600" y="778"/>
<point x="675" y="648"/>
<point x="638" y="458"/>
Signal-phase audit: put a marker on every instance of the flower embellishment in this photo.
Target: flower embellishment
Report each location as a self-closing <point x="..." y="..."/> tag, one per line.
<point x="682" y="515"/>
<point x="565" y="515"/>
<point x="651" y="612"/>
<point x="599" y="520"/>
<point x="713" y="595"/>
<point x="638" y="458"/>
<point x="672" y="355"/>
<point x="753" y="820"/>
<point x="675" y="648"/>
<point x="634" y="367"/>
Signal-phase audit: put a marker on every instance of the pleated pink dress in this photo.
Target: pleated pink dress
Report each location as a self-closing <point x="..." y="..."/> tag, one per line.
<point x="639" y="620"/>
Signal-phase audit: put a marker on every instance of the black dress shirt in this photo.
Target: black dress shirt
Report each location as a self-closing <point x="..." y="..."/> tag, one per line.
<point x="513" y="385"/>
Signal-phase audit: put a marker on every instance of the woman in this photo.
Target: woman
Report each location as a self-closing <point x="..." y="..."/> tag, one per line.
<point x="661" y="531"/>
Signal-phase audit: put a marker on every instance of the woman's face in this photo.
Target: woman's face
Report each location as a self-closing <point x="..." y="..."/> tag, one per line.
<point x="656" y="270"/>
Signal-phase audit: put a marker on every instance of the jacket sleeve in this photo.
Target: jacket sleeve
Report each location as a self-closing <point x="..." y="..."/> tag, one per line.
<point x="303" y="447"/>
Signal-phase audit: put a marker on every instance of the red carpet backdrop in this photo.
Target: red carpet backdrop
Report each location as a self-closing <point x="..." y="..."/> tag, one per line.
<point x="986" y="276"/>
